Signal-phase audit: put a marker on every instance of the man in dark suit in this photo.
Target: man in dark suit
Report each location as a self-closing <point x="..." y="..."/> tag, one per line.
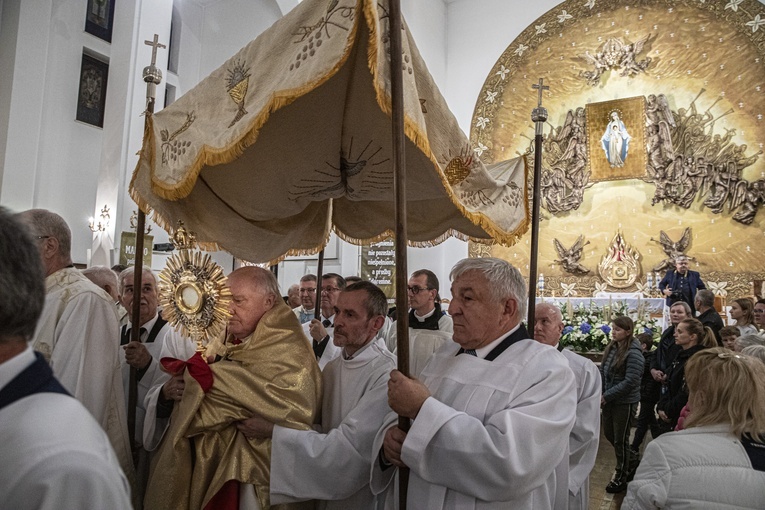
<point x="705" y="301"/>
<point x="681" y="284"/>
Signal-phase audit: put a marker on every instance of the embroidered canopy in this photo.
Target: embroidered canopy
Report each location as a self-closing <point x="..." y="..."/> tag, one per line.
<point x="291" y="139"/>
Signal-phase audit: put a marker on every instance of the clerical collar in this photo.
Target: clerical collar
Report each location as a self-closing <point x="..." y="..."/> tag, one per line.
<point x="484" y="351"/>
<point x="422" y="318"/>
<point x="357" y="353"/>
<point x="149" y="324"/>
<point x="11" y="368"/>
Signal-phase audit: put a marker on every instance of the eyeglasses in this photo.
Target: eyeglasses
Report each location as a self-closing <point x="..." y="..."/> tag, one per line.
<point x="307" y="291"/>
<point x="43" y="237"/>
<point x="330" y="289"/>
<point x="416" y="290"/>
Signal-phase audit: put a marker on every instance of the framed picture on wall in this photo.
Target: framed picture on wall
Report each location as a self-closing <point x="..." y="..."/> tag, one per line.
<point x="100" y="19"/>
<point x="91" y="99"/>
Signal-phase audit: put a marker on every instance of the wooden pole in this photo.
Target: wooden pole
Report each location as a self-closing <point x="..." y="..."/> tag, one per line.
<point x="401" y="236"/>
<point x="317" y="304"/>
<point x="153" y="77"/>
<point x="539" y="116"/>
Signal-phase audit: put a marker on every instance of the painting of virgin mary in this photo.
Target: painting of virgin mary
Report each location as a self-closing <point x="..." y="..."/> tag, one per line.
<point x="616" y="141"/>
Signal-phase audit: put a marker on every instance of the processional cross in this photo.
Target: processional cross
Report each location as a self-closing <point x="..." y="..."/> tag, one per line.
<point x="538" y="116"/>
<point x="540" y="86"/>
<point x="154" y="45"/>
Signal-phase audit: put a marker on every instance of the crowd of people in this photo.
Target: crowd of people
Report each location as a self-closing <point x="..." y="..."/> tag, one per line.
<point x="293" y="410"/>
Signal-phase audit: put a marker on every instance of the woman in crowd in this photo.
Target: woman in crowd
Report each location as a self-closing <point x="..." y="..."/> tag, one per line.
<point x="691" y="336"/>
<point x="621" y="372"/>
<point x="744" y="341"/>
<point x="718" y="461"/>
<point x="665" y="354"/>
<point x="648" y="394"/>
<point x="755" y="351"/>
<point x="742" y="311"/>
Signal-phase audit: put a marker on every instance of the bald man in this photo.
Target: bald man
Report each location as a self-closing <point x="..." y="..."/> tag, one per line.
<point x="584" y="437"/>
<point x="266" y="365"/>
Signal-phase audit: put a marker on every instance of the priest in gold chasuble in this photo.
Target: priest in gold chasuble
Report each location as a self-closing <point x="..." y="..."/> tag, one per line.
<point x="267" y="368"/>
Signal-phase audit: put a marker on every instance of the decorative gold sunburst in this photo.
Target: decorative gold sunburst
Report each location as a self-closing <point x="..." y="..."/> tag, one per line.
<point x="193" y="292"/>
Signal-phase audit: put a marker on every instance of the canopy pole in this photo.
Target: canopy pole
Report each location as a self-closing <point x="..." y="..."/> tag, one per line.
<point x="317" y="304"/>
<point x="153" y="77"/>
<point x="401" y="236"/>
<point x="539" y="116"/>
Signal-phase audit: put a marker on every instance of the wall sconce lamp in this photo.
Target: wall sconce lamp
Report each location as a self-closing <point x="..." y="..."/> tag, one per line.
<point x="103" y="224"/>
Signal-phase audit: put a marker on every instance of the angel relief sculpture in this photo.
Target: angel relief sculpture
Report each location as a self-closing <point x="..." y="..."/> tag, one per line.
<point x="689" y="162"/>
<point x="615" y="54"/>
<point x="565" y="175"/>
<point x="569" y="258"/>
<point x="672" y="249"/>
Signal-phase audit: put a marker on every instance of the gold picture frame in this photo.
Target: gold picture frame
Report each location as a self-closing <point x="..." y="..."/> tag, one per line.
<point x="616" y="139"/>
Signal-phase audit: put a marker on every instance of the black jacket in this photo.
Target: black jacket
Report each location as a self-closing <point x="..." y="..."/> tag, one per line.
<point x="713" y="321"/>
<point x="673" y="401"/>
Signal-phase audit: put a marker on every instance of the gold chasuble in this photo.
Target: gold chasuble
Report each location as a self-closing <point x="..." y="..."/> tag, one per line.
<point x="273" y="373"/>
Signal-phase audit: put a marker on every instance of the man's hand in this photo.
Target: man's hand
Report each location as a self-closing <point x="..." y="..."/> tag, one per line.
<point x="664" y="416"/>
<point x="406" y="395"/>
<point x="658" y="375"/>
<point x="667" y="291"/>
<point x="137" y="355"/>
<point x="392" y="444"/>
<point x="173" y="389"/>
<point x="317" y="330"/>
<point x="255" y="427"/>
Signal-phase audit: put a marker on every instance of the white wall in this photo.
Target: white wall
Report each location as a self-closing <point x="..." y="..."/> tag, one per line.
<point x="478" y="33"/>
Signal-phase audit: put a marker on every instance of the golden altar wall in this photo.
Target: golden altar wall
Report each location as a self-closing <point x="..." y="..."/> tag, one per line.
<point x="707" y="60"/>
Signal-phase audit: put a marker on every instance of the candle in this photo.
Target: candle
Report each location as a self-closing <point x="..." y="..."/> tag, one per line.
<point x="657" y="279"/>
<point x="649" y="281"/>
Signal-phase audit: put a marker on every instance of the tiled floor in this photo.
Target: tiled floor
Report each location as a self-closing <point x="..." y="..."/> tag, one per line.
<point x="601" y="475"/>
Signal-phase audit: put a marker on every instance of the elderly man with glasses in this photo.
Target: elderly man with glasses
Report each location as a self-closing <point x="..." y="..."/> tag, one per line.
<point x="307" y="293"/>
<point x="320" y="332"/>
<point x="429" y="326"/>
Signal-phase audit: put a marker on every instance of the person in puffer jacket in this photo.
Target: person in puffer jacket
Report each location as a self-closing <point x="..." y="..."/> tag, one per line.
<point x="621" y="373"/>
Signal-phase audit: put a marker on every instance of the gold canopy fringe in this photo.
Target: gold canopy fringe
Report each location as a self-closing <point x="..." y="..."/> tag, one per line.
<point x="421" y="141"/>
<point x="212" y="156"/>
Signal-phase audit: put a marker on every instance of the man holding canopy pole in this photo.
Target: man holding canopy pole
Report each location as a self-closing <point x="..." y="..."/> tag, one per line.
<point x="492" y="415"/>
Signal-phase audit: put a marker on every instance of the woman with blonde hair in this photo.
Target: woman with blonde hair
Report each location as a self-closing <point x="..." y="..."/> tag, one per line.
<point x="718" y="461"/>
<point x="621" y="373"/>
<point x="742" y="311"/>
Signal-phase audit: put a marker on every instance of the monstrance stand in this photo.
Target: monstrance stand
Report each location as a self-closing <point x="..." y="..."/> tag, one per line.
<point x="192" y="291"/>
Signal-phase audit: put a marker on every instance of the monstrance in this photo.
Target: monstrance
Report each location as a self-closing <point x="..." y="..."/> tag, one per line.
<point x="192" y="291"/>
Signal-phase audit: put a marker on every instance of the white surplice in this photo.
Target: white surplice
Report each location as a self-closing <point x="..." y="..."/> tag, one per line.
<point x="173" y="345"/>
<point x="331" y="351"/>
<point x="54" y="455"/>
<point x="585" y="436"/>
<point x="332" y="465"/>
<point x="154" y="375"/>
<point x="78" y="334"/>
<point x="423" y="343"/>
<point x="492" y="433"/>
